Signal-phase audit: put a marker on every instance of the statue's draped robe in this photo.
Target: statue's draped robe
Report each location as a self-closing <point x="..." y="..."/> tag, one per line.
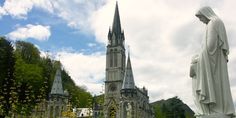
<point x="211" y="83"/>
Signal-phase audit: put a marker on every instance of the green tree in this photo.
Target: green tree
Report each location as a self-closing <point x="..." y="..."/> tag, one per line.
<point x="25" y="102"/>
<point x="7" y="79"/>
<point x="29" y="76"/>
<point x="160" y="111"/>
<point x="47" y="66"/>
<point x="165" y="111"/>
<point x="176" y="109"/>
<point x="172" y="108"/>
<point x="28" y="52"/>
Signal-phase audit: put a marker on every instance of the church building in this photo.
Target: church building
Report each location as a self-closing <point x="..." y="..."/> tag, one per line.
<point x="58" y="99"/>
<point x="123" y="99"/>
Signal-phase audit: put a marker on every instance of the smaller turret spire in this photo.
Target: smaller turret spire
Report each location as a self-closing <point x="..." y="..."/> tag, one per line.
<point x="57" y="84"/>
<point x="128" y="82"/>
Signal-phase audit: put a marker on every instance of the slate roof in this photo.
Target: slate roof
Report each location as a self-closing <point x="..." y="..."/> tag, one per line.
<point x="57" y="84"/>
<point x="128" y="82"/>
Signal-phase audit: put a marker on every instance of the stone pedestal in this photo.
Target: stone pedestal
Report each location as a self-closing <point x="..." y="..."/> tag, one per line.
<point x="214" y="116"/>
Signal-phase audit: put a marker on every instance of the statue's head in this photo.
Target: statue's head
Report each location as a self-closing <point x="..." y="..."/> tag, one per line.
<point x="205" y="14"/>
<point x="203" y="18"/>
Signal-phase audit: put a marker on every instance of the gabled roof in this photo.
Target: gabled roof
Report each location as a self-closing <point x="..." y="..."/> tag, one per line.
<point x="128" y="82"/>
<point x="57" y="84"/>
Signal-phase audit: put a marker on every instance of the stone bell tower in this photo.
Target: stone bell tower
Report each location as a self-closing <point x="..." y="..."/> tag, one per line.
<point x="115" y="67"/>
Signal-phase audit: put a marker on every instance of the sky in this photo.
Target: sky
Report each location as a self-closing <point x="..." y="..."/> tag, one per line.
<point x="163" y="35"/>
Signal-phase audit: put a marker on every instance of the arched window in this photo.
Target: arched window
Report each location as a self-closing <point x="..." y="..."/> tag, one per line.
<point x="115" y="59"/>
<point x="111" y="58"/>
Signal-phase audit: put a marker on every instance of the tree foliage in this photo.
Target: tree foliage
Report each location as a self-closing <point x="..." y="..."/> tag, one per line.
<point x="7" y="79"/>
<point x="31" y="77"/>
<point x="172" y="108"/>
<point x="28" y="52"/>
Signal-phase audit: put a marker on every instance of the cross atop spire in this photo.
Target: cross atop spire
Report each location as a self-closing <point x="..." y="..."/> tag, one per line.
<point x="116" y="27"/>
<point x="128" y="82"/>
<point x="57" y="84"/>
<point x="128" y="50"/>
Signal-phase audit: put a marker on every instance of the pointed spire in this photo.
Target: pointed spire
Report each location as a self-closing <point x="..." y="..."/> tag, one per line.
<point x="57" y="84"/>
<point x="116" y="27"/>
<point x="128" y="82"/>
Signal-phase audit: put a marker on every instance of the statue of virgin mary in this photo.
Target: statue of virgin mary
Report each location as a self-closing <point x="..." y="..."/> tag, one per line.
<point x="211" y="87"/>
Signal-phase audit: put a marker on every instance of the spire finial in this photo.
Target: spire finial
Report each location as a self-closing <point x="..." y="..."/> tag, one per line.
<point x="128" y="50"/>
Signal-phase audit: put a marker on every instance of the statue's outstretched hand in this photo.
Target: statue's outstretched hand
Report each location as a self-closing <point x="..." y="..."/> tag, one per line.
<point x="192" y="71"/>
<point x="193" y="66"/>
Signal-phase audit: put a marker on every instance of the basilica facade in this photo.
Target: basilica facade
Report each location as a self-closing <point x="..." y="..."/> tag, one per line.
<point x="123" y="99"/>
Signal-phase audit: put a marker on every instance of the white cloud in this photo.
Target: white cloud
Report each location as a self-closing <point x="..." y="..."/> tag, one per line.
<point x="91" y="45"/>
<point x="37" y="32"/>
<point x="19" y="9"/>
<point x="2" y="12"/>
<point x="86" y="70"/>
<point x="76" y="13"/>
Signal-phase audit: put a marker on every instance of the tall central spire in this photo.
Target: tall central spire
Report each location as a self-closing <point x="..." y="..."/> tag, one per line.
<point x="116" y="27"/>
<point x="116" y="35"/>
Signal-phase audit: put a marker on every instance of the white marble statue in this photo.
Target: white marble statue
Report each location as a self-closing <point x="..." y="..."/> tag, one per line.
<point x="129" y="110"/>
<point x="211" y="88"/>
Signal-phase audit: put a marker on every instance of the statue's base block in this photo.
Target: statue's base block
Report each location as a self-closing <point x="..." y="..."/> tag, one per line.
<point x="214" y="116"/>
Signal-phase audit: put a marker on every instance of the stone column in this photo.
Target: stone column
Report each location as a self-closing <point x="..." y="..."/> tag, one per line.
<point x="54" y="111"/>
